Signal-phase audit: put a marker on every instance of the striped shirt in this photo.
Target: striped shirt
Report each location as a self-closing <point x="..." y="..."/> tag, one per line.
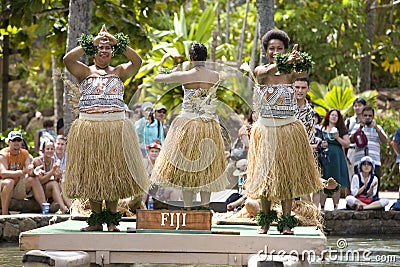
<point x="374" y="149"/>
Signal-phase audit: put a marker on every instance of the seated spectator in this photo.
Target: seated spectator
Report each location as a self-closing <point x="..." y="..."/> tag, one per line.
<point x="148" y="128"/>
<point x="15" y="164"/>
<point x="60" y="158"/>
<point x="364" y="188"/>
<point x="238" y="199"/>
<point x="49" y="173"/>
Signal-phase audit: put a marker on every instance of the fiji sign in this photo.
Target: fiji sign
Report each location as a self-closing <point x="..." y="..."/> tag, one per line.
<point x="173" y="219"/>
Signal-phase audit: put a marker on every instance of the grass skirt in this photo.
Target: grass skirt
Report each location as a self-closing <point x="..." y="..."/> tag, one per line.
<point x="104" y="160"/>
<point x="192" y="157"/>
<point x="281" y="163"/>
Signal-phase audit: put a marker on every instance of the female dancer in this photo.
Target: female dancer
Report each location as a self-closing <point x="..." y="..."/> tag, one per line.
<point x="281" y="162"/>
<point x="96" y="168"/>
<point x="192" y="157"/>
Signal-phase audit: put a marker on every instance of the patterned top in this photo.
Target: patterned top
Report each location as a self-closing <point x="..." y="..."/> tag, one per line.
<point x="373" y="147"/>
<point x="276" y="100"/>
<point x="306" y="116"/>
<point x="101" y="93"/>
<point x="202" y="102"/>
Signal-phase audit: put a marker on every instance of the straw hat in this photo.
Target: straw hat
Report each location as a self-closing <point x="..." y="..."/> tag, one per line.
<point x="241" y="167"/>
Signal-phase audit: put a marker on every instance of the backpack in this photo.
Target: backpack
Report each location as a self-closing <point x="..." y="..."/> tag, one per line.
<point x="360" y="138"/>
<point x="396" y="205"/>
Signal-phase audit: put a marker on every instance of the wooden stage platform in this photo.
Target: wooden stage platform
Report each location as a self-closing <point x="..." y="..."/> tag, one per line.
<point x="224" y="245"/>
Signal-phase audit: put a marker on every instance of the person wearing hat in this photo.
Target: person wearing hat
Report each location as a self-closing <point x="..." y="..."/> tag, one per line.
<point x="15" y="164"/>
<point x="148" y="128"/>
<point x="238" y="199"/>
<point x="160" y="113"/>
<point x="364" y="188"/>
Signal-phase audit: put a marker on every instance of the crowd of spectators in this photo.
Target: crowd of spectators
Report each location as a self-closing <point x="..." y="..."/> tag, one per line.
<point x="332" y="138"/>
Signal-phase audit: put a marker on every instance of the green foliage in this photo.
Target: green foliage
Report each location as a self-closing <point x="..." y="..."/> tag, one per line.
<point x="339" y="94"/>
<point x="389" y="120"/>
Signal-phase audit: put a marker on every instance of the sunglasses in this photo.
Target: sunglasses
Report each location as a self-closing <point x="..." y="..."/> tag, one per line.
<point x="161" y="111"/>
<point x="16" y="140"/>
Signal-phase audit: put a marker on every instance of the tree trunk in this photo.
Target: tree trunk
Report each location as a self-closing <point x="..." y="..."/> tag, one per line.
<point x="58" y="89"/>
<point x="227" y="25"/>
<point x="79" y="20"/>
<point x="364" y="82"/>
<point x="5" y="14"/>
<point x="266" y="12"/>
<point x="242" y="36"/>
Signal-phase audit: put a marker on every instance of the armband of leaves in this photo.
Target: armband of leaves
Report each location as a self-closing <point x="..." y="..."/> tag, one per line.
<point x="266" y="219"/>
<point x="110" y="217"/>
<point x="86" y="42"/>
<point x="306" y="64"/>
<point x="330" y="192"/>
<point x="281" y="63"/>
<point x="122" y="43"/>
<point x="286" y="220"/>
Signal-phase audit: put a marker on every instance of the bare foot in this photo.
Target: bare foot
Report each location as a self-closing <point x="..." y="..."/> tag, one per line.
<point x="112" y="228"/>
<point x="92" y="228"/>
<point x="264" y="229"/>
<point x="287" y="231"/>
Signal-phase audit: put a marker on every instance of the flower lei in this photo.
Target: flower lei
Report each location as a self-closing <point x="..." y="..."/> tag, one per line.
<point x="284" y="67"/>
<point x="86" y="41"/>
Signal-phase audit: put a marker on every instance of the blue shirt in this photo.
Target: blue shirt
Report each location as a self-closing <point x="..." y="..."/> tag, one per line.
<point x="396" y="138"/>
<point x="147" y="132"/>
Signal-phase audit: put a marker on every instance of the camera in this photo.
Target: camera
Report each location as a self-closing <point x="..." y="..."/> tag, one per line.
<point x="368" y="122"/>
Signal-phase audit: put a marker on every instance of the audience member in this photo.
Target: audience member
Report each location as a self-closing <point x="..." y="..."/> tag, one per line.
<point x="237" y="199"/>
<point x="137" y="112"/>
<point x="160" y="113"/>
<point x="15" y="164"/>
<point x="375" y="135"/>
<point x="244" y="131"/>
<point x="358" y="106"/>
<point x="364" y="188"/>
<point x="60" y="158"/>
<point x="43" y="135"/>
<point x="396" y="145"/>
<point x="305" y="112"/>
<point x="336" y="138"/>
<point x="60" y="126"/>
<point x="148" y="128"/>
<point x="49" y="173"/>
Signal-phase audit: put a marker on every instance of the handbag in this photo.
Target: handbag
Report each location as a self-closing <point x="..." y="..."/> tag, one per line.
<point x="360" y="138"/>
<point x="237" y="152"/>
<point x="364" y="199"/>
